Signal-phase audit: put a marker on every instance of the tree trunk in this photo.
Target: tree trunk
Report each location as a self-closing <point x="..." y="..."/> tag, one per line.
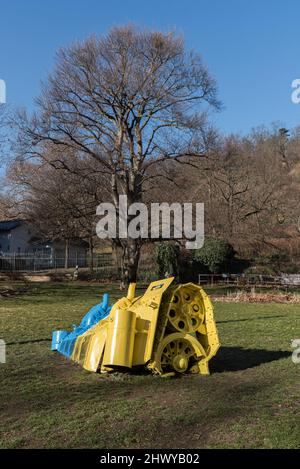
<point x="67" y="253"/>
<point x="130" y="261"/>
<point x="91" y="249"/>
<point x="230" y="215"/>
<point x="130" y="184"/>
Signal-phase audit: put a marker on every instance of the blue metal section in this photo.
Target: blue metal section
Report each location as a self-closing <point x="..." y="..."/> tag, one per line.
<point x="57" y="337"/>
<point x="64" y="341"/>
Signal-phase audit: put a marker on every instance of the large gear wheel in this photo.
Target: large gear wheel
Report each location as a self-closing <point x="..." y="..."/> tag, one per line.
<point x="186" y="310"/>
<point x="177" y="353"/>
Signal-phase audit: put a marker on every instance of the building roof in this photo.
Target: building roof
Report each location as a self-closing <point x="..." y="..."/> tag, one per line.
<point x="8" y="225"/>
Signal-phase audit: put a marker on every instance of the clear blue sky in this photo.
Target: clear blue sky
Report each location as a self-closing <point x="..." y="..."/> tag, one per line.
<point x="251" y="47"/>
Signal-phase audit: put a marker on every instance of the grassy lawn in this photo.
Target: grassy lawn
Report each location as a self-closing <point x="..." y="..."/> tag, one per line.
<point x="251" y="399"/>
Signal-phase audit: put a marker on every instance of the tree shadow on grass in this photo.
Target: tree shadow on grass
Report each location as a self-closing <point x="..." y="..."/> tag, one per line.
<point x="250" y="319"/>
<point x="239" y="358"/>
<point x="30" y="341"/>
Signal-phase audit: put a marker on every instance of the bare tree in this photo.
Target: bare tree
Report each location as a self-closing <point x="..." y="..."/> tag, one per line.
<point x="2" y="132"/>
<point x="4" y="212"/>
<point x="127" y="100"/>
<point x="60" y="204"/>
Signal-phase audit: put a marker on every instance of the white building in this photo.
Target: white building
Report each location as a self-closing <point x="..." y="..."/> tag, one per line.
<point x="18" y="238"/>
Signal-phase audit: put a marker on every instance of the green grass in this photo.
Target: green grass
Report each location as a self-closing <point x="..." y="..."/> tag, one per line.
<point x="251" y="399"/>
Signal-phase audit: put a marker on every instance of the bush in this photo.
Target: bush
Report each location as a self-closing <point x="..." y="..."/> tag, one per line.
<point x="292" y="269"/>
<point x="260" y="270"/>
<point x="167" y="257"/>
<point x="216" y="254"/>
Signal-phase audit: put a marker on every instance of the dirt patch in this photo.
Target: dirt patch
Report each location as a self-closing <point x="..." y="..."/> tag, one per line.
<point x="242" y="297"/>
<point x="37" y="278"/>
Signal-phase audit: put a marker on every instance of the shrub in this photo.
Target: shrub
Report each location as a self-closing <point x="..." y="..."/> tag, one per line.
<point x="167" y="257"/>
<point x="216" y="254"/>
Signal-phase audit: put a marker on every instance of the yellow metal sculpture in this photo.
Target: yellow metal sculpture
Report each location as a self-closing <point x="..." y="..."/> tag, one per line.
<point x="170" y="329"/>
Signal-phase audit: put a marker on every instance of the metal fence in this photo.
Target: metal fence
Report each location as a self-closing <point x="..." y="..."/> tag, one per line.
<point x="250" y="279"/>
<point x="36" y="263"/>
